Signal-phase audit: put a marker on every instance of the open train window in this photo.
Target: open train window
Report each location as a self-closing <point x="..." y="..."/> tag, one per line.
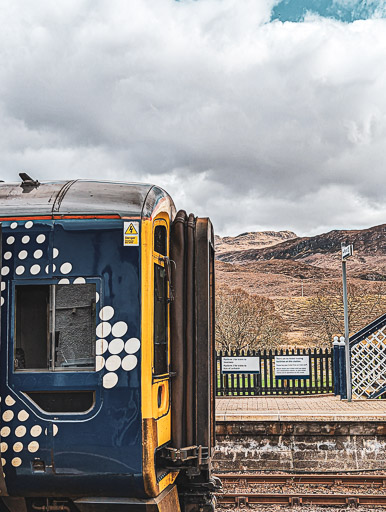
<point x="55" y="327"/>
<point x="160" y="321"/>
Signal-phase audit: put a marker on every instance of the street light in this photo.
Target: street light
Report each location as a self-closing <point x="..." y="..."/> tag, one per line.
<point x="347" y="251"/>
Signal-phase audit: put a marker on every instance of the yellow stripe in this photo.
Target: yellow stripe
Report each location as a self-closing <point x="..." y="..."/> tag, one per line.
<point x="154" y="432"/>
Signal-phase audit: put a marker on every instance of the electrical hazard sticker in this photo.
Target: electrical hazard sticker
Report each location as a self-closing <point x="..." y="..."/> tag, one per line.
<point x="131" y="234"/>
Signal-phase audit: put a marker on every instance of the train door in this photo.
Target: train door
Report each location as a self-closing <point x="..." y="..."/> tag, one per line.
<point x="70" y="385"/>
<point x="161" y="333"/>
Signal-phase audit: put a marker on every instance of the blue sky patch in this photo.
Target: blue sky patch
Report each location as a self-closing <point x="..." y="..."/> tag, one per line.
<point x="343" y="10"/>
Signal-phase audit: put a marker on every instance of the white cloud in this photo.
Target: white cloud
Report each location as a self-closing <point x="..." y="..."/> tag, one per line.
<point x="259" y="125"/>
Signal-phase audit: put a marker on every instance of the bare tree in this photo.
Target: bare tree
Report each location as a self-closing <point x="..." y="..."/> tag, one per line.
<point x="365" y="304"/>
<point x="246" y="321"/>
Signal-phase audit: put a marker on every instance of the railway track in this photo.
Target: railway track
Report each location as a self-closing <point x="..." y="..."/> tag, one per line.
<point x="264" y="495"/>
<point x="350" y="500"/>
<point x="316" y="479"/>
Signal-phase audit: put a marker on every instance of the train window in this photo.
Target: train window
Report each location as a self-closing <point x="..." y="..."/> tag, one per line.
<point x="160" y="321"/>
<point x="55" y="326"/>
<point x="160" y="244"/>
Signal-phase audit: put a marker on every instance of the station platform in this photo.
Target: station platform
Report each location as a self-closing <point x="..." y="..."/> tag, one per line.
<point x="292" y="433"/>
<point x="298" y="408"/>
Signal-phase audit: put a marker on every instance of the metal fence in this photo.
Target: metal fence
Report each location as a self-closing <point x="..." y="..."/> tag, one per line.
<point x="265" y="383"/>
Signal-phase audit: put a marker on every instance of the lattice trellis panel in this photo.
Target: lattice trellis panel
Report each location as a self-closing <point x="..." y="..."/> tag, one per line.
<point x="368" y="365"/>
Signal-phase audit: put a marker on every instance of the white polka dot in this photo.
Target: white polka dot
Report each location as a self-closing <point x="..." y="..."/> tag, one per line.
<point x="13" y="225"/>
<point x="35" y="269"/>
<point x="106" y="313"/>
<point x="66" y="268"/>
<point x="79" y="280"/>
<point x="47" y="269"/>
<point x="103" y="329"/>
<point x="64" y="280"/>
<point x="23" y="415"/>
<point x="2" y="286"/>
<point x="17" y="447"/>
<point x="101" y="347"/>
<point x="55" y="252"/>
<point x="25" y="239"/>
<point x="9" y="401"/>
<point x="8" y="255"/>
<point x="33" y="446"/>
<point x="110" y="380"/>
<point x="23" y="255"/>
<point x="2" y="301"/>
<point x="20" y="270"/>
<point x="3" y="447"/>
<point x="40" y="239"/>
<point x="5" y="431"/>
<point x="116" y="346"/>
<point x="132" y="345"/>
<point x="8" y="415"/>
<point x="38" y="254"/>
<point x="113" y="363"/>
<point x="20" y="431"/>
<point x="97" y="297"/>
<point x="16" y="462"/>
<point x="28" y="224"/>
<point x="119" y="329"/>
<point x="129" y="362"/>
<point x="99" y="363"/>
<point x="3" y="462"/>
<point x="5" y="271"/>
<point x="10" y="240"/>
<point x="36" y="430"/>
<point x="55" y="429"/>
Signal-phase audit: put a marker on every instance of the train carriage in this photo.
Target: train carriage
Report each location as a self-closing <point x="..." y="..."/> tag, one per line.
<point x="106" y="349"/>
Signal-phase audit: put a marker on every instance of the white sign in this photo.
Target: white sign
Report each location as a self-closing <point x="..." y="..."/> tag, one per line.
<point x="292" y="367"/>
<point x="347" y="251"/>
<point x="240" y="365"/>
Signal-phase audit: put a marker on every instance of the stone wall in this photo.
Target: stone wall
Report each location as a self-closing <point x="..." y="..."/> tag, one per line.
<point x="311" y="446"/>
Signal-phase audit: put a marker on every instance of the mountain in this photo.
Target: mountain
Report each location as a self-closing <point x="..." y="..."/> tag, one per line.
<point x="367" y="242"/>
<point x="251" y="240"/>
<point x="265" y="259"/>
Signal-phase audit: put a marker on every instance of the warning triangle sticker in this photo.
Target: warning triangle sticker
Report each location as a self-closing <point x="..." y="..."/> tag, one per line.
<point x="131" y="230"/>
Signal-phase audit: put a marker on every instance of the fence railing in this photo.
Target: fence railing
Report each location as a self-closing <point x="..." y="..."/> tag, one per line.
<point x="266" y="382"/>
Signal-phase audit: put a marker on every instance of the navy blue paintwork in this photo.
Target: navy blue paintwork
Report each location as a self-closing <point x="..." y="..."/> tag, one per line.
<point x="94" y="453"/>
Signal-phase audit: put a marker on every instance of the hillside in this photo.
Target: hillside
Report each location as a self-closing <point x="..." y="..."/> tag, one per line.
<point x="292" y="270"/>
<point x="246" y="241"/>
<point x="367" y="243"/>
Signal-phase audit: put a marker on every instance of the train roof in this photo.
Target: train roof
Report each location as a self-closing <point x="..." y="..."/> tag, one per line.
<point x="82" y="197"/>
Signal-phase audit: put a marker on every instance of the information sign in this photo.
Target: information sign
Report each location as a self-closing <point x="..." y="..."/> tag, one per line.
<point x="247" y="364"/>
<point x="347" y="251"/>
<point x="292" y="367"/>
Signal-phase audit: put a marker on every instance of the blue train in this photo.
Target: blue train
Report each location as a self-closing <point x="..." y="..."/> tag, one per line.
<point x="107" y="340"/>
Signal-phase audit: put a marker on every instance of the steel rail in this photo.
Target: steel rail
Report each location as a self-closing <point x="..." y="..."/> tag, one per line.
<point x="240" y="499"/>
<point x="250" y="478"/>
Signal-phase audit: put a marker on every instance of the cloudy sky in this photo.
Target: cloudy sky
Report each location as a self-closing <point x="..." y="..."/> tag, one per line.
<point x="261" y="114"/>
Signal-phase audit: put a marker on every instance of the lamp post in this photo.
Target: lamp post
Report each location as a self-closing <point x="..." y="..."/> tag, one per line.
<point x="347" y="251"/>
